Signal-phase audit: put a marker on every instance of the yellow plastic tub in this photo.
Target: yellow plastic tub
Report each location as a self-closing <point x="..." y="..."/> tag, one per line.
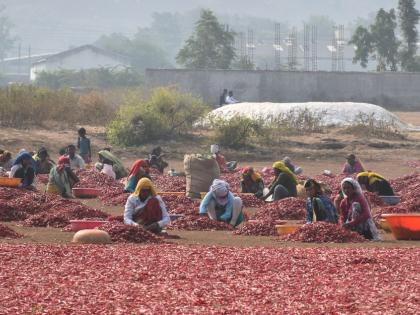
<point x="10" y="182"/>
<point x="384" y="225"/>
<point x="286" y="229"/>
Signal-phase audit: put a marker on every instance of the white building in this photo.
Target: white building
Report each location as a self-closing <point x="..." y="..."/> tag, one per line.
<point x="80" y="58"/>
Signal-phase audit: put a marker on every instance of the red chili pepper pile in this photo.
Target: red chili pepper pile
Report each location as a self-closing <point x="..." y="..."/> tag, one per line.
<point x="181" y="204"/>
<point x="169" y="183"/>
<point x="250" y="201"/>
<point x="170" y="279"/>
<point x="285" y="209"/>
<point x="6" y="232"/>
<point x="61" y="212"/>
<point x="333" y="182"/>
<point x="18" y="204"/>
<point x="198" y="223"/>
<point x="323" y="232"/>
<point x="123" y="233"/>
<point x="259" y="228"/>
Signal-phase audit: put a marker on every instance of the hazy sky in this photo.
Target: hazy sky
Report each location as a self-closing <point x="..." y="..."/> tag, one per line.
<point x="48" y="25"/>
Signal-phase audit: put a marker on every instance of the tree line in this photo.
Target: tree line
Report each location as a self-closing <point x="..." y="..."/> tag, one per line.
<point x="380" y="40"/>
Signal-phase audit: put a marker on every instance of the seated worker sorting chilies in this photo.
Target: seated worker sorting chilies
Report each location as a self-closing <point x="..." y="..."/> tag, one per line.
<point x="62" y="179"/>
<point x="221" y="205"/>
<point x="43" y="163"/>
<point x="375" y="183"/>
<point x="24" y="168"/>
<point x="144" y="207"/>
<point x="318" y="205"/>
<point x="352" y="166"/>
<point x="252" y="182"/>
<point x="284" y="184"/>
<point x="139" y="170"/>
<point x="355" y="210"/>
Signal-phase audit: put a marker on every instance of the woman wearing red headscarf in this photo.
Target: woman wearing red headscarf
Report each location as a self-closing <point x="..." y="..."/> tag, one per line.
<point x="62" y="179"/>
<point x="139" y="170"/>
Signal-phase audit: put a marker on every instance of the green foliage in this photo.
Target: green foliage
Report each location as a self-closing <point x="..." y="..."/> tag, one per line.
<point x="165" y="114"/>
<point x="141" y="50"/>
<point x="363" y="41"/>
<point x="236" y="132"/>
<point x="6" y="39"/>
<point x="386" y="43"/>
<point x="380" y="41"/>
<point x="409" y="18"/>
<point x="210" y="47"/>
<point x="103" y="78"/>
<point x="21" y="106"/>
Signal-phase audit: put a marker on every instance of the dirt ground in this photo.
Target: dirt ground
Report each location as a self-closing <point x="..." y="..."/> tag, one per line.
<point x="386" y="156"/>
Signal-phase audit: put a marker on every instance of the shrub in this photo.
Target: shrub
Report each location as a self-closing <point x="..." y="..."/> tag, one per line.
<point x="236" y="132"/>
<point x="21" y="106"/>
<point x="165" y="114"/>
<point x="368" y="125"/>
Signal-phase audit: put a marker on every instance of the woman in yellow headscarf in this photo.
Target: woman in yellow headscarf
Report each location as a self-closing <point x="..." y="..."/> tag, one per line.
<point x="144" y="207"/>
<point x="284" y="185"/>
<point x="252" y="182"/>
<point x="375" y="183"/>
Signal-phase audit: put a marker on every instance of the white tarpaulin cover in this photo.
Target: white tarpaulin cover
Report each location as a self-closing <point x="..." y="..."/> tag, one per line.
<point x="333" y="113"/>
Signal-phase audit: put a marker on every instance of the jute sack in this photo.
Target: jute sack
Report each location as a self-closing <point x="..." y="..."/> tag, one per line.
<point x="200" y="171"/>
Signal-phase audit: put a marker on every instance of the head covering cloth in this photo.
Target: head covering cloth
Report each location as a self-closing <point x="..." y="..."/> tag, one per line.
<point x="354" y="183"/>
<point x="279" y="165"/>
<point x="137" y="165"/>
<point x="372" y="177"/>
<point x="249" y="171"/>
<point x="62" y="162"/>
<point x="144" y="183"/>
<point x="220" y="191"/>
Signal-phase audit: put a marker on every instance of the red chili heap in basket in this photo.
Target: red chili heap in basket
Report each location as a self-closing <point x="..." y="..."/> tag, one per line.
<point x="322" y="232"/>
<point x="260" y="228"/>
<point x="285" y="209"/>
<point x="122" y="233"/>
<point x="6" y="232"/>
<point x="170" y="279"/>
<point x="195" y="223"/>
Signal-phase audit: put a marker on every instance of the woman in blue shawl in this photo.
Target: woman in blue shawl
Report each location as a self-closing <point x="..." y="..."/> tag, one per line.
<point x="24" y="168"/>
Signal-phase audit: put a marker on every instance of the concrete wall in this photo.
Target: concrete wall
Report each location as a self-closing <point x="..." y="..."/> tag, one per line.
<point x="391" y="90"/>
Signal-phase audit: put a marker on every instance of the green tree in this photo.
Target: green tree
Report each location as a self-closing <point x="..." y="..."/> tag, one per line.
<point x="6" y="39"/>
<point x="210" y="47"/>
<point x="363" y="42"/>
<point x="409" y="18"/>
<point x="379" y="42"/>
<point x="385" y="41"/>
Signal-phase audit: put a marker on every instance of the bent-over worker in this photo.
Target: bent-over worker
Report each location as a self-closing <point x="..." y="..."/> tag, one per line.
<point x="220" y="159"/>
<point x="284" y="184"/>
<point x="355" y="210"/>
<point x="62" y="179"/>
<point x="252" y="182"/>
<point x="117" y="165"/>
<point x="144" y="207"/>
<point x="221" y="205"/>
<point x="375" y="183"/>
<point x="139" y="170"/>
<point x="318" y="205"/>
<point x="23" y="167"/>
<point x="156" y="160"/>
